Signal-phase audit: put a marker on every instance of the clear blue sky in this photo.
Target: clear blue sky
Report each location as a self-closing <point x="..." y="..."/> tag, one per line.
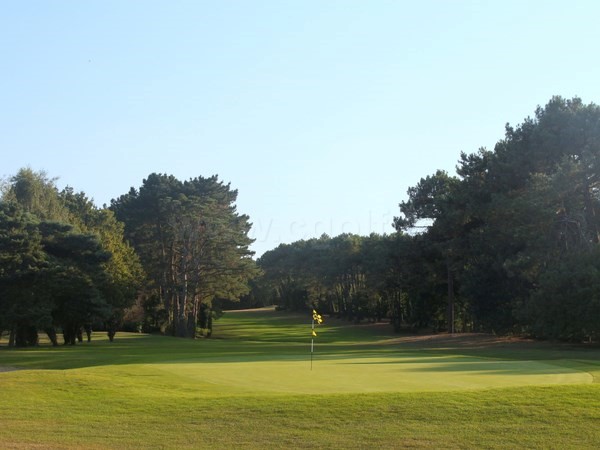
<point x="321" y="113"/>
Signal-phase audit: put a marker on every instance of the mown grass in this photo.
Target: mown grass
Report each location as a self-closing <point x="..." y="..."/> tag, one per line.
<point x="252" y="387"/>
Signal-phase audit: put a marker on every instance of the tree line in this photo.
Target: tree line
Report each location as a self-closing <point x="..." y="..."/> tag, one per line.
<point x="165" y="251"/>
<point x="510" y="244"/>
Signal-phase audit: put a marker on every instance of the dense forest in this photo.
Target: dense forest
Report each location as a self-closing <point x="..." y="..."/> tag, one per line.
<point x="63" y="263"/>
<point x="510" y="244"/>
<point x="154" y="260"/>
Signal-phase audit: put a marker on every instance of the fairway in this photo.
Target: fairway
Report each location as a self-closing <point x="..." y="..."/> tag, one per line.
<point x="255" y="374"/>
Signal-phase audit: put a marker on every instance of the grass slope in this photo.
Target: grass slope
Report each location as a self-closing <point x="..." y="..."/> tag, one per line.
<point x="252" y="387"/>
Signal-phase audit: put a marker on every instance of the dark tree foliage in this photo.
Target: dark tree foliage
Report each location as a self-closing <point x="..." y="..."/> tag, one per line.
<point x="509" y="245"/>
<point x="513" y="219"/>
<point x="61" y="266"/>
<point x="22" y="260"/>
<point x="353" y="277"/>
<point x="192" y="244"/>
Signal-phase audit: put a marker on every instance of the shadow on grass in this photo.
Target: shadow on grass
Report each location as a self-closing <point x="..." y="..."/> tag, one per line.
<point x="274" y="336"/>
<point x="478" y="366"/>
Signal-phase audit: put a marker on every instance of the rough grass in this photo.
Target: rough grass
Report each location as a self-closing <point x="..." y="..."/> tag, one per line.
<point x="252" y="387"/>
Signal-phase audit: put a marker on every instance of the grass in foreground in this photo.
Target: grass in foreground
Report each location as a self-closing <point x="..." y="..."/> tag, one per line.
<point x="252" y="388"/>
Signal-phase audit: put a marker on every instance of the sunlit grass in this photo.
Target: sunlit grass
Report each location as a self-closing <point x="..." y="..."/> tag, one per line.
<point x="252" y="386"/>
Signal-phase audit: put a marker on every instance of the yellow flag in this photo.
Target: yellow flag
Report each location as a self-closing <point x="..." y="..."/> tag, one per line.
<point x="317" y="317"/>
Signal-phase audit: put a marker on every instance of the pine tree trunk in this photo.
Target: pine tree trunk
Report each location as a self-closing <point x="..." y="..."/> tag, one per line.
<point x="12" y="337"/>
<point x="88" y="331"/>
<point x="191" y="325"/>
<point x="590" y="213"/>
<point x="450" y="312"/>
<point x="209" y="329"/>
<point x="181" y="329"/>
<point x="51" y="332"/>
<point x="112" y="331"/>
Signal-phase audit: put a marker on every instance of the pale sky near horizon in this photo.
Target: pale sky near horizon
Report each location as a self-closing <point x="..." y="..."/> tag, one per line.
<point x="321" y="113"/>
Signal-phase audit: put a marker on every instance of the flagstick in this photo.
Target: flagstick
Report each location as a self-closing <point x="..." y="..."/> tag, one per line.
<point x="312" y="343"/>
<point x="315" y="317"/>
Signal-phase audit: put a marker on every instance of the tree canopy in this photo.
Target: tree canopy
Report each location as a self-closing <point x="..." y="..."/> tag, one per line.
<point x="63" y="262"/>
<point x="507" y="245"/>
<point x="171" y="248"/>
<point x="192" y="242"/>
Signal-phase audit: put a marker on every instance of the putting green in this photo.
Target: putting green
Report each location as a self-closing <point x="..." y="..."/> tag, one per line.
<point x="362" y="375"/>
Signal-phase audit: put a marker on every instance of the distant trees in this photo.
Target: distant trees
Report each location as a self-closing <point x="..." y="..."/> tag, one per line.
<point x="192" y="243"/>
<point x="350" y="276"/>
<point x="508" y="245"/>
